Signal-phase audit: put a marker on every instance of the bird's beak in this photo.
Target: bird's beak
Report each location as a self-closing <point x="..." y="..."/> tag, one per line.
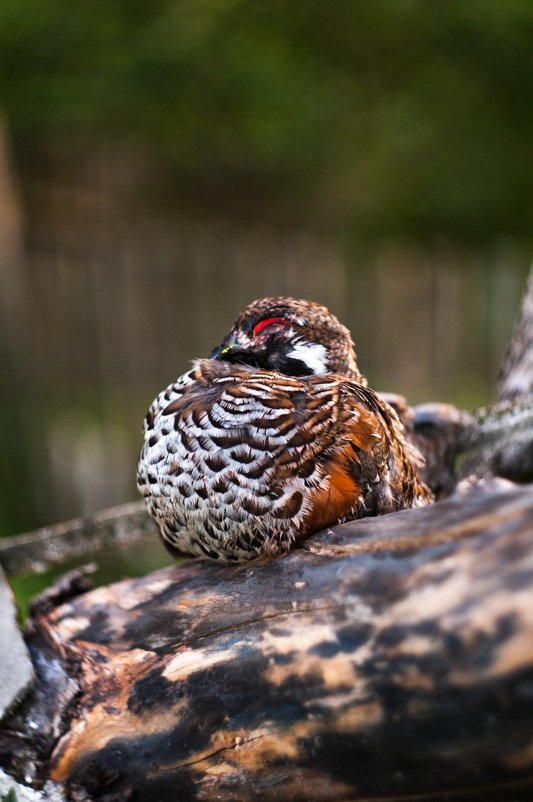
<point x="223" y="350"/>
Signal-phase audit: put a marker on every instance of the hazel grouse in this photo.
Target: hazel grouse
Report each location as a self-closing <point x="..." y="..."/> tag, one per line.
<point x="275" y="436"/>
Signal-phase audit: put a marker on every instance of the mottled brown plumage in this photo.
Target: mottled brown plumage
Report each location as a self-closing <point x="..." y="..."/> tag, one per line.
<point x="272" y="438"/>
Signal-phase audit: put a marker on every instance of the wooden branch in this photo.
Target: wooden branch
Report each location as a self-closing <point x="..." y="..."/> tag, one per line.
<point x="388" y="658"/>
<point x="54" y="545"/>
<point x="502" y="442"/>
<point x="516" y="374"/>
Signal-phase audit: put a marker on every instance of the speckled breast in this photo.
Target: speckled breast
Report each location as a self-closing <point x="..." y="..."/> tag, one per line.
<point x="229" y="461"/>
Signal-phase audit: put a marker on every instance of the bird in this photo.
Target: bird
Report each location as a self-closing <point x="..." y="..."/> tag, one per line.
<point x="275" y="436"/>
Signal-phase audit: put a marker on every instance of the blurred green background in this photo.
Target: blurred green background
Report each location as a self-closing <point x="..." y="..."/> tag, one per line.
<point x="164" y="162"/>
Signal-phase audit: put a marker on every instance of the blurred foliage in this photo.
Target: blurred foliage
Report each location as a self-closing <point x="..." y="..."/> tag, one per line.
<point x="410" y="116"/>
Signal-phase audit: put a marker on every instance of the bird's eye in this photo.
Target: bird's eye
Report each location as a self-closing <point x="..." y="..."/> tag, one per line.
<point x="263" y="324"/>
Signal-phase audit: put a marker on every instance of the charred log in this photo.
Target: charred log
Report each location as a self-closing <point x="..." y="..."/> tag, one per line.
<point x="387" y="658"/>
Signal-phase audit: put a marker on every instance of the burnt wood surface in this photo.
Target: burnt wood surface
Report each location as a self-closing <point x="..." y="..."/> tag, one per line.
<point x="388" y="658"/>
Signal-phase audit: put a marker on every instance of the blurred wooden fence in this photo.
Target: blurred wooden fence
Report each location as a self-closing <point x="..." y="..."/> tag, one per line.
<point x="102" y="304"/>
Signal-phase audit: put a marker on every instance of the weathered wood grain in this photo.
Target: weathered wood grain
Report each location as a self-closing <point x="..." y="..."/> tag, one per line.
<point x="389" y="658"/>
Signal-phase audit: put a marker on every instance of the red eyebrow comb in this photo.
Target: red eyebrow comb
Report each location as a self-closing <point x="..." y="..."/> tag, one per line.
<point x="267" y="322"/>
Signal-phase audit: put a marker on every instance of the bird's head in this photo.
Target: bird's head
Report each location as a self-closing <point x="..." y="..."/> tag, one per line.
<point x="298" y="338"/>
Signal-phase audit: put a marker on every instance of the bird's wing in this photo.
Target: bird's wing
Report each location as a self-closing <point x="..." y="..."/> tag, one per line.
<point x="370" y="462"/>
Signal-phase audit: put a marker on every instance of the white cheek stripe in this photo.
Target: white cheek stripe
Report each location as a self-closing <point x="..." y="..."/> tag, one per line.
<point x="312" y="354"/>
